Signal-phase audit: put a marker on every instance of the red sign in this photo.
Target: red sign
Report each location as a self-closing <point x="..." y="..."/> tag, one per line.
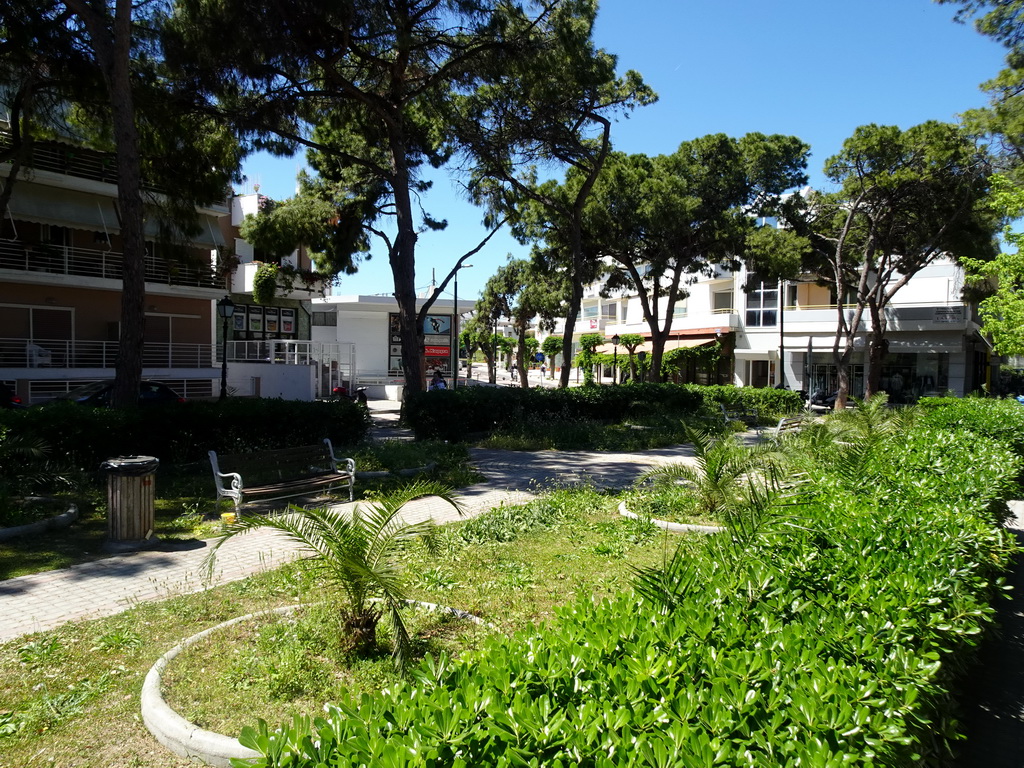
<point x="437" y="351"/>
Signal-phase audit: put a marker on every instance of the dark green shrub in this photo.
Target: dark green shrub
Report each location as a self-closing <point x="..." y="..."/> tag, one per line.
<point x="184" y="432"/>
<point x="771" y="404"/>
<point x="456" y="414"/>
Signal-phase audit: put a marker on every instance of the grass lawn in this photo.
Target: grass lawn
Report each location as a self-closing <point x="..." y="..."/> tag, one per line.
<point x="70" y="697"/>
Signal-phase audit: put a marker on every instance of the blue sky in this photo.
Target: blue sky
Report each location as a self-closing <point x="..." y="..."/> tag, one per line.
<point x="815" y="69"/>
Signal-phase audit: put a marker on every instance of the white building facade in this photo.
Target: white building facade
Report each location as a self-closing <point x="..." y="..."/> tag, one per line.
<point x="366" y="327"/>
<point x="781" y="334"/>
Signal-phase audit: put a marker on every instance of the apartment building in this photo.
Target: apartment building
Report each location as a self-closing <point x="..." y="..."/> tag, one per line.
<point x="782" y="333"/>
<point x="269" y="346"/>
<point x="60" y="282"/>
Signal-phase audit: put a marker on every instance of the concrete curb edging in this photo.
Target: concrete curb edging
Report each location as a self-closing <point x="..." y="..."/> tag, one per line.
<point x="410" y="472"/>
<point x="62" y="520"/>
<point x="175" y="732"/>
<point x="189" y="740"/>
<point x="672" y="527"/>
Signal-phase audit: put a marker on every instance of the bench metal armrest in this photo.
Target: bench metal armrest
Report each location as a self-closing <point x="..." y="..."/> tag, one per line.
<point x="349" y="467"/>
<point x="233" y="489"/>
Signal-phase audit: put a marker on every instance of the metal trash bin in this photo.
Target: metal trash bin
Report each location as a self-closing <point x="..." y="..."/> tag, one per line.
<point x="131" y="500"/>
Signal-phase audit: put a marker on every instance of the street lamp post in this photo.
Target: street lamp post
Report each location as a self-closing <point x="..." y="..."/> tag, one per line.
<point x="615" y="359"/>
<point x="225" y="308"/>
<point x="457" y="342"/>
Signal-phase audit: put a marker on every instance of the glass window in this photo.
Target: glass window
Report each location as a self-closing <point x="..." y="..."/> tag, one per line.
<point x="791" y="295"/>
<point x="325" y="318"/>
<point x="722" y="302"/>
<point x="762" y="303"/>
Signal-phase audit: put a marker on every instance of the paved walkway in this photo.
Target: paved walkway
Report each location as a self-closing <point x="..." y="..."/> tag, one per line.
<point x="993" y="701"/>
<point x="105" y="587"/>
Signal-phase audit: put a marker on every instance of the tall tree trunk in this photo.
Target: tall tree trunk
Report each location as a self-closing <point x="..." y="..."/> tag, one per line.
<point x="403" y="270"/>
<point x="575" y="302"/>
<point x="658" y="338"/>
<point x="111" y="43"/>
<point x="521" y="358"/>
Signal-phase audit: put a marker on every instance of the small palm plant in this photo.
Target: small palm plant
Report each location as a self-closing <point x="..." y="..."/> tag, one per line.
<point x="360" y="552"/>
<point x="24" y="465"/>
<point x="716" y="477"/>
<point x="846" y="440"/>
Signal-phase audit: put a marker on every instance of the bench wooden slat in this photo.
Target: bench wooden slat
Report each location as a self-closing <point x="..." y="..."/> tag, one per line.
<point x="281" y="472"/>
<point x="789" y="425"/>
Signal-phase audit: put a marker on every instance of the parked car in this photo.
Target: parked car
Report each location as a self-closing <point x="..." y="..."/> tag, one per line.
<point x="98" y="394"/>
<point x="8" y="399"/>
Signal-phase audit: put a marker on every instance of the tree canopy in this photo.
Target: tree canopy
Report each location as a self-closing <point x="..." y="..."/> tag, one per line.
<point x="668" y="219"/>
<point x="379" y="91"/>
<point x="904" y="199"/>
<point x="522" y="293"/>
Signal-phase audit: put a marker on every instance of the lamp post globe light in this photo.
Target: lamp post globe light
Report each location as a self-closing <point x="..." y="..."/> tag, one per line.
<point x="615" y="359"/>
<point x="225" y="309"/>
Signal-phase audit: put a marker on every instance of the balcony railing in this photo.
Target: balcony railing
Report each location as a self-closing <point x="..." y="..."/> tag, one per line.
<point x="77" y="353"/>
<point x="73" y="161"/>
<point x="87" y="262"/>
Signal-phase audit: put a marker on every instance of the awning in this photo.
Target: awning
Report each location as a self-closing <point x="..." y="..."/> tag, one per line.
<point x="61" y="207"/>
<point x="647" y="347"/>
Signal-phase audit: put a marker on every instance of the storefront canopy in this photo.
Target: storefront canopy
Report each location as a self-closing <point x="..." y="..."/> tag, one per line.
<point x="648" y="347"/>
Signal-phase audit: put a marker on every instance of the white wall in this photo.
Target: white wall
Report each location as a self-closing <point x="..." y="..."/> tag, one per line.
<point x="367" y="330"/>
<point x="288" y="382"/>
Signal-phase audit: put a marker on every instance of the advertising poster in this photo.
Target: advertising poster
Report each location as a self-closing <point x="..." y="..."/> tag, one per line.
<point x="239" y="318"/>
<point x="288" y="321"/>
<point x="270" y="316"/>
<point x="256" y="319"/>
<point x="437" y="343"/>
<point x="437" y="325"/>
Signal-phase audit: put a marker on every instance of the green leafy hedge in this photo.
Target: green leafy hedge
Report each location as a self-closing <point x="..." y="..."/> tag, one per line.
<point x="184" y="432"/>
<point x="999" y="419"/>
<point x="831" y="638"/>
<point x="455" y="414"/>
<point x="772" y="404"/>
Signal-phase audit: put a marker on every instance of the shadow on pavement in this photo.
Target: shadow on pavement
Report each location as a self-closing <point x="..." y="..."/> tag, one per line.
<point x="992" y="701"/>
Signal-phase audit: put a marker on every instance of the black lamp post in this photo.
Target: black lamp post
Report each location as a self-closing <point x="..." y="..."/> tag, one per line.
<point x="457" y="342"/>
<point x="225" y="308"/>
<point x="615" y="359"/>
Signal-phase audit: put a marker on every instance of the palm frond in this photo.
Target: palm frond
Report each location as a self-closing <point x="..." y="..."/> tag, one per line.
<point x="359" y="551"/>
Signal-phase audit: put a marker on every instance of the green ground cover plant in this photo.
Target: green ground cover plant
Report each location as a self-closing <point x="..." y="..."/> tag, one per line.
<point x="998" y="419"/>
<point x="61" y="690"/>
<point x="827" y="626"/>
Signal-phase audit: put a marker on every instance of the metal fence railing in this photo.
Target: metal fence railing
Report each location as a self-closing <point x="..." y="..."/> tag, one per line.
<point x="78" y="353"/>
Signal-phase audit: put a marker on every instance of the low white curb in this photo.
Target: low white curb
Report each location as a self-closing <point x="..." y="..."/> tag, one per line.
<point x="672" y="527"/>
<point x="62" y="520"/>
<point x="188" y="739"/>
